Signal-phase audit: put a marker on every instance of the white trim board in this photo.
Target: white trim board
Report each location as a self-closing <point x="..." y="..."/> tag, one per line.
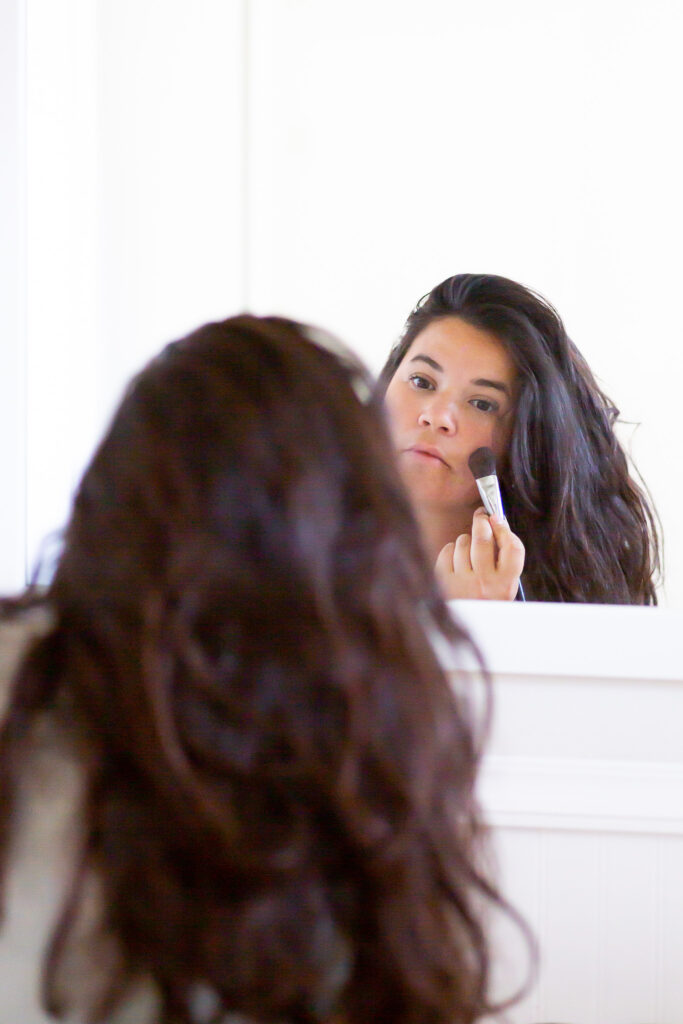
<point x="576" y="640"/>
<point x="582" y="795"/>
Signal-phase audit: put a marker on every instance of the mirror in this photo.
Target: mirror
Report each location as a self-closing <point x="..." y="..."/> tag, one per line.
<point x="333" y="162"/>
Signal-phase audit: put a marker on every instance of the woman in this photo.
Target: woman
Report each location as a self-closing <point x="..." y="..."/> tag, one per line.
<point x="483" y="361"/>
<point x="233" y="777"/>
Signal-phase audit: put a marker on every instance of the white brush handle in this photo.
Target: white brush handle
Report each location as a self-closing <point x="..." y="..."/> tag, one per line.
<point x="490" y="494"/>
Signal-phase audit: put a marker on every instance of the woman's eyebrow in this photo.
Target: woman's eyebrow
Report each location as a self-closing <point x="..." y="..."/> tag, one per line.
<point x="481" y="382"/>
<point x="429" y="361"/>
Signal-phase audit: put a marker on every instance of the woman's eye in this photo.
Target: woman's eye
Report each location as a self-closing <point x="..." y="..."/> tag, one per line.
<point x="484" y="405"/>
<point x="418" y="381"/>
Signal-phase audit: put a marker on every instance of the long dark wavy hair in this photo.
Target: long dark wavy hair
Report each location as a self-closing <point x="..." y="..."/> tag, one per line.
<point x="589" y="529"/>
<point x="279" y="775"/>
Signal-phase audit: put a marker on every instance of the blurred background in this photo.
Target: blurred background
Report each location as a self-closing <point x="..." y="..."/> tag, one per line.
<point x="166" y="163"/>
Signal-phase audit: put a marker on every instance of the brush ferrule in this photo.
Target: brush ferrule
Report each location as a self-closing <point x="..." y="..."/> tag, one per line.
<point x="489" y="490"/>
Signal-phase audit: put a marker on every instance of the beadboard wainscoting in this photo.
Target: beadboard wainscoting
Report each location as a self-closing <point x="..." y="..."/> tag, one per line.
<point x="582" y="786"/>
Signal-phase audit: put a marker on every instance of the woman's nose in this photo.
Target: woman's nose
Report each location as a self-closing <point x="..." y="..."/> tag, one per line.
<point x="439" y="416"/>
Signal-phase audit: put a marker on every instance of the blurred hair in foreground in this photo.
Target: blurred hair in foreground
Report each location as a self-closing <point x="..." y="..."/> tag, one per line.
<point x="278" y="816"/>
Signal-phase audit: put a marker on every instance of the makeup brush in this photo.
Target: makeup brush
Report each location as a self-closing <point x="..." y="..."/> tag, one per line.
<point x="482" y="463"/>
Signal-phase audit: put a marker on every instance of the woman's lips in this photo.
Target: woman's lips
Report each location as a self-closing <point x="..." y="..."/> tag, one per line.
<point x="429" y="452"/>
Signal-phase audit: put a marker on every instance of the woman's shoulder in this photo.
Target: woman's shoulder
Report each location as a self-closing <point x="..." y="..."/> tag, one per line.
<point x="43" y="854"/>
<point x="17" y="632"/>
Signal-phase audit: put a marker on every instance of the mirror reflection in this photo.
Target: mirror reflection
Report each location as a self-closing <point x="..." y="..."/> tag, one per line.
<point x="485" y="363"/>
<point x="333" y="163"/>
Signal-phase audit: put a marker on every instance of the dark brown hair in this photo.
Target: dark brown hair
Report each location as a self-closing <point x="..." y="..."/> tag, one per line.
<point x="279" y="776"/>
<point x="589" y="529"/>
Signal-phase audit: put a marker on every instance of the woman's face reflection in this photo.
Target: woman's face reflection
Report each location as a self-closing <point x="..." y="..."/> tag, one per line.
<point x="452" y="393"/>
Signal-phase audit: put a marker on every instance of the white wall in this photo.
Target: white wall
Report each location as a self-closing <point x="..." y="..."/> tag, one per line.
<point x="135" y="117"/>
<point x="333" y="161"/>
<point x="62" y="279"/>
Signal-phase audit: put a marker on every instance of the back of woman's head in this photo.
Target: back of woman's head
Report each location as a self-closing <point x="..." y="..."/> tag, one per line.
<point x="245" y="450"/>
<point x="588" y="528"/>
<point x="279" y="802"/>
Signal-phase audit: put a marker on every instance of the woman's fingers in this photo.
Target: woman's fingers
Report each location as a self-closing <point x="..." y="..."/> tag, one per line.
<point x="454" y="572"/>
<point x="510" y="559"/>
<point x="510" y="548"/>
<point x="486" y="565"/>
<point x="444" y="561"/>
<point x="483" y="548"/>
<point x="462" y="561"/>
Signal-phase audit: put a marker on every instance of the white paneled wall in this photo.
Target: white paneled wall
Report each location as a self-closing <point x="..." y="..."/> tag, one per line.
<point x="604" y="903"/>
<point x="583" y="785"/>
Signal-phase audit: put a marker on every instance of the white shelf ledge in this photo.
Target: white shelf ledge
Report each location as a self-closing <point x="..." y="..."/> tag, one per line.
<point x="576" y="640"/>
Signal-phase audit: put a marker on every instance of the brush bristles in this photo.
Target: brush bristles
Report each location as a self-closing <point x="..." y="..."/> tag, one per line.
<point x="482" y="462"/>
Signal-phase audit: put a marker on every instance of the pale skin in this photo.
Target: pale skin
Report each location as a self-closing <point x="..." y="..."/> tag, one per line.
<point x="453" y="392"/>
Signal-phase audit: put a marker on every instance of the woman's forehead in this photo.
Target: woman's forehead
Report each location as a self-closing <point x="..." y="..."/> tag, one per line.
<point x="456" y="345"/>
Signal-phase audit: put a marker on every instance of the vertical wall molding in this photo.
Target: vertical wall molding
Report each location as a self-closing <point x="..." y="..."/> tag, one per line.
<point x="12" y="296"/>
<point x="246" y="241"/>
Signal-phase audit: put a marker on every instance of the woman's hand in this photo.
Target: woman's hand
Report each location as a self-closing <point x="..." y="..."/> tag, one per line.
<point x="485" y="566"/>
